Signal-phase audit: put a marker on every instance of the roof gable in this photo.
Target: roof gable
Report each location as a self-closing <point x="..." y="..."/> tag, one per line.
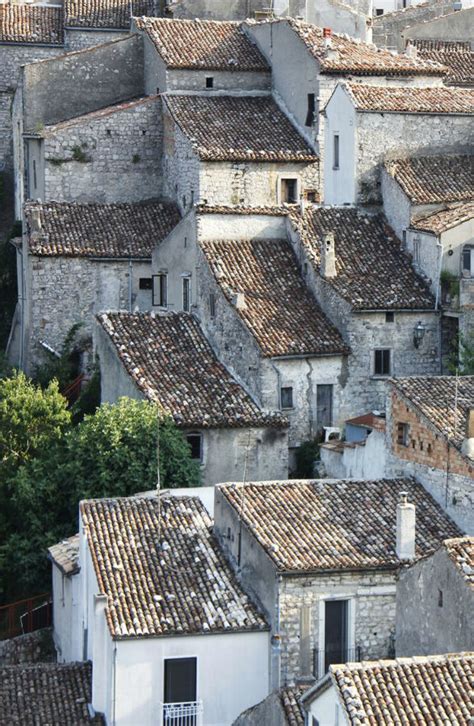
<point x="461" y="553"/>
<point x="452" y="216"/>
<point x="434" y="179"/>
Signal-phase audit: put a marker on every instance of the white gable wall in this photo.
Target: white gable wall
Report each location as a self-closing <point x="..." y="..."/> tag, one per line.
<point x="326" y="709"/>
<point x="340" y="118"/>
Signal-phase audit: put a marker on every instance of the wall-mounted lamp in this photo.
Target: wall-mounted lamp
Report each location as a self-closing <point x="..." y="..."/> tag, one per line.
<point x="418" y="334"/>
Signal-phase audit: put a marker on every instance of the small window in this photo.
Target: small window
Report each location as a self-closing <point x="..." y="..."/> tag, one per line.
<point x="404" y="238"/>
<point x="467" y="260"/>
<point x="379" y="11"/>
<point x="389" y="317"/>
<point x="209" y="82"/>
<point x="440" y="598"/>
<point x="289" y="191"/>
<point x="145" y="283"/>
<point x="403" y="433"/>
<point x="311" y="195"/>
<point x="35" y="183"/>
<point x="382" y="362"/>
<point x="286" y="397"/>
<point x="160" y="290"/>
<point x="186" y="294"/>
<point x="212" y="305"/>
<point x="336" y="151"/>
<point x="311" y="109"/>
<point x="195" y="443"/>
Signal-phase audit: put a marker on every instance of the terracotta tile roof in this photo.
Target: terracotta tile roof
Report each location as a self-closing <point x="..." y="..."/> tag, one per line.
<point x="65" y="555"/>
<point x="306" y="526"/>
<point x="434" y="179"/>
<point x="448" y="218"/>
<point x="370" y="420"/>
<point x="203" y="44"/>
<point x="100" y="230"/>
<point x="278" y="309"/>
<point x="461" y="551"/>
<point x="99" y="114"/>
<point x="351" y="56"/>
<point x="238" y="128"/>
<point x="290" y="699"/>
<point x="172" y="363"/>
<point x="398" y="99"/>
<point x="46" y="693"/>
<point x="425" y="690"/>
<point x="280" y="211"/>
<point x="32" y="24"/>
<point x="373" y="272"/>
<point x="456" y="56"/>
<point x="444" y="400"/>
<point x="112" y="14"/>
<point x="163" y="571"/>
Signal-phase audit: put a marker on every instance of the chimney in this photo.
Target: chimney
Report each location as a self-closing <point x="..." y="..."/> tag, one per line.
<point x="467" y="447"/>
<point x="239" y="301"/>
<point x="35" y="219"/>
<point x="411" y="51"/>
<point x="406" y="517"/>
<point x="328" y="256"/>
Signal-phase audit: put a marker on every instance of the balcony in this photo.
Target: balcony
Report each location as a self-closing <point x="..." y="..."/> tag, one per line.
<point x="182" y="714"/>
<point x="322" y="659"/>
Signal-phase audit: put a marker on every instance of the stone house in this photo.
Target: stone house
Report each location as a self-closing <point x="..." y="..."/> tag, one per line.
<point x="64" y="557"/>
<point x="405" y="690"/>
<point x="77" y="259"/>
<point x="456" y="55"/>
<point x="389" y="28"/>
<point x="322" y="557"/>
<point x="234" y="150"/>
<point x="430" y="430"/>
<point x="164" y="621"/>
<point x="362" y="453"/>
<point x="435" y="601"/>
<point x="239" y="276"/>
<point x="366" y="125"/>
<point x="366" y="284"/>
<point x="166" y="358"/>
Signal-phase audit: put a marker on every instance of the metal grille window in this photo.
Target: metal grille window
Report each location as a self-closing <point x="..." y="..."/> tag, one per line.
<point x="160" y="290"/>
<point x="382" y="362"/>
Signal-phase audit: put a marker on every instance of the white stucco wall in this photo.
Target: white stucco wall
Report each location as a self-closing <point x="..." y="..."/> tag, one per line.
<point x="66" y="616"/>
<point x="358" y="461"/>
<point x="326" y="709"/>
<point x="340" y="119"/>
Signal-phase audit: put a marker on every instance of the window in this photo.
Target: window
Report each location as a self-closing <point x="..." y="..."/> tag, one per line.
<point x="289" y="191"/>
<point x="467" y="261"/>
<point x="403" y="432"/>
<point x="209" y="82"/>
<point x="35" y="183"/>
<point x="379" y="11"/>
<point x="324" y="397"/>
<point x="382" y="362"/>
<point x="389" y="317"/>
<point x="180" y="681"/>
<point x="186" y="294"/>
<point x="286" y="397"/>
<point x="440" y="598"/>
<point x="160" y="290"/>
<point x="145" y="283"/>
<point x="212" y="305"/>
<point x="195" y="442"/>
<point x="311" y="109"/>
<point x="335" y="164"/>
<point x="335" y="632"/>
<point x="404" y="238"/>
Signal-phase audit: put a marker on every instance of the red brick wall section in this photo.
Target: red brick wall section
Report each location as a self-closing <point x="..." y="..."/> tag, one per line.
<point x="425" y="446"/>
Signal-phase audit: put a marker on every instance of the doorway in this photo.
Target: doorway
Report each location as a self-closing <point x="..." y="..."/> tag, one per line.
<point x="335" y="632"/>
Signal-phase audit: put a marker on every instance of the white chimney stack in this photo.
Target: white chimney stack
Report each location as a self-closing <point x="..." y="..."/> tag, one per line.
<point x="239" y="301"/>
<point x="406" y="518"/>
<point x="467" y="447"/>
<point x="328" y="256"/>
<point x="35" y="220"/>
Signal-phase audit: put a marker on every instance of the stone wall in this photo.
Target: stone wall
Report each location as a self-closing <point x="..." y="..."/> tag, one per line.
<point x="36" y="647"/>
<point x="195" y="80"/>
<point x="80" y="38"/>
<point x="434" y="608"/>
<point x="12" y="57"/>
<point x="83" y="81"/>
<point x="443" y="470"/>
<point x="387" y="29"/>
<point x="120" y="156"/>
<point x="180" y="165"/>
<point x="452" y="26"/>
<point x="6" y="138"/>
<point x="222" y="10"/>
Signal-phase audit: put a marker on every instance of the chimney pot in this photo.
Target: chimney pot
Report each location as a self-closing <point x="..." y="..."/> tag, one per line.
<point x="406" y="530"/>
<point x="328" y="256"/>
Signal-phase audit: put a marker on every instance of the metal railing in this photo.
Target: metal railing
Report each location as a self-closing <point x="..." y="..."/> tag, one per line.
<point x="322" y="659"/>
<point x="25" y="616"/>
<point x="182" y="714"/>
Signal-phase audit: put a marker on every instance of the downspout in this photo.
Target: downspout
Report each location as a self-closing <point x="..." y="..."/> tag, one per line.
<point x="130" y="271"/>
<point x="437" y="300"/>
<point x="276" y="642"/>
<point x="114" y="683"/>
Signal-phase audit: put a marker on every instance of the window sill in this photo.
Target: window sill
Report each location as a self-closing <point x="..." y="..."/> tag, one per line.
<point x="381" y="376"/>
<point x="336" y="168"/>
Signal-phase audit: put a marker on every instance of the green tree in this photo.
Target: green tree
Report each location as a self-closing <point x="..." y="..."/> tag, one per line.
<point x="466" y="355"/>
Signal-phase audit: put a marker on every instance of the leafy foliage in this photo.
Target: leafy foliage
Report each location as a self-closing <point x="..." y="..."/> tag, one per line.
<point x="306" y="455"/>
<point x="466" y="355"/>
<point x="63" y="368"/>
<point x="8" y="284"/>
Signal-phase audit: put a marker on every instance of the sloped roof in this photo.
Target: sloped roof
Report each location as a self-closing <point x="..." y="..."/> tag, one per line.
<point x="238" y="128"/>
<point x="448" y="218"/>
<point x="356" y="57"/>
<point x="373" y="272"/>
<point x="290" y="697"/>
<point x="398" y="99"/>
<point x="310" y="526"/>
<point x="119" y="230"/>
<point x="172" y="363"/>
<point x="434" y="179"/>
<point x="65" y="555"/>
<point x="97" y="115"/>
<point x="454" y="55"/>
<point x="461" y="552"/>
<point x="47" y="693"/>
<point x="278" y="310"/>
<point x="106" y="14"/>
<point x="425" y="690"/>
<point x="444" y="400"/>
<point x="31" y="24"/>
<point x="203" y="44"/>
<point x="162" y="569"/>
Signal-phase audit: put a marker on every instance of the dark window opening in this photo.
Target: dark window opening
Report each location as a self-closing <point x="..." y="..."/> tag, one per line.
<point x="34" y="174"/>
<point x="403" y="431"/>
<point x="382" y="362"/>
<point x="324" y="399"/>
<point x="180" y="680"/>
<point x="466" y="260"/>
<point x="311" y="195"/>
<point x="145" y="283"/>
<point x="286" y="397"/>
<point x="289" y="191"/>
<point x="212" y="305"/>
<point x="335" y="632"/>
<point x="335" y="151"/>
<point x="209" y="82"/>
<point x="440" y="598"/>
<point x="160" y="290"/>
<point x="195" y="443"/>
<point x="186" y="294"/>
<point x="389" y="317"/>
<point x="379" y="11"/>
<point x="311" y="109"/>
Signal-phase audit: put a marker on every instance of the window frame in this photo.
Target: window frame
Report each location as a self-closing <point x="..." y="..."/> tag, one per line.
<point x="181" y="657"/>
<point x="209" y="81"/>
<point x="336" y="151"/>
<point x="467" y="250"/>
<point x="145" y="287"/>
<point x="311" y="109"/>
<point x="403" y="433"/>
<point x="186" y="293"/>
<point x="212" y="305"/>
<point x="196" y="435"/>
<point x="162" y="290"/>
<point x="382" y="351"/>
<point x="286" y="389"/>
<point x="286" y="178"/>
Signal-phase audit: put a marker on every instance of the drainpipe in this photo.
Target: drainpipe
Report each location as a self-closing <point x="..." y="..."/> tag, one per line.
<point x="130" y="271"/>
<point x="276" y="643"/>
<point x="114" y="684"/>
<point x="437" y="299"/>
